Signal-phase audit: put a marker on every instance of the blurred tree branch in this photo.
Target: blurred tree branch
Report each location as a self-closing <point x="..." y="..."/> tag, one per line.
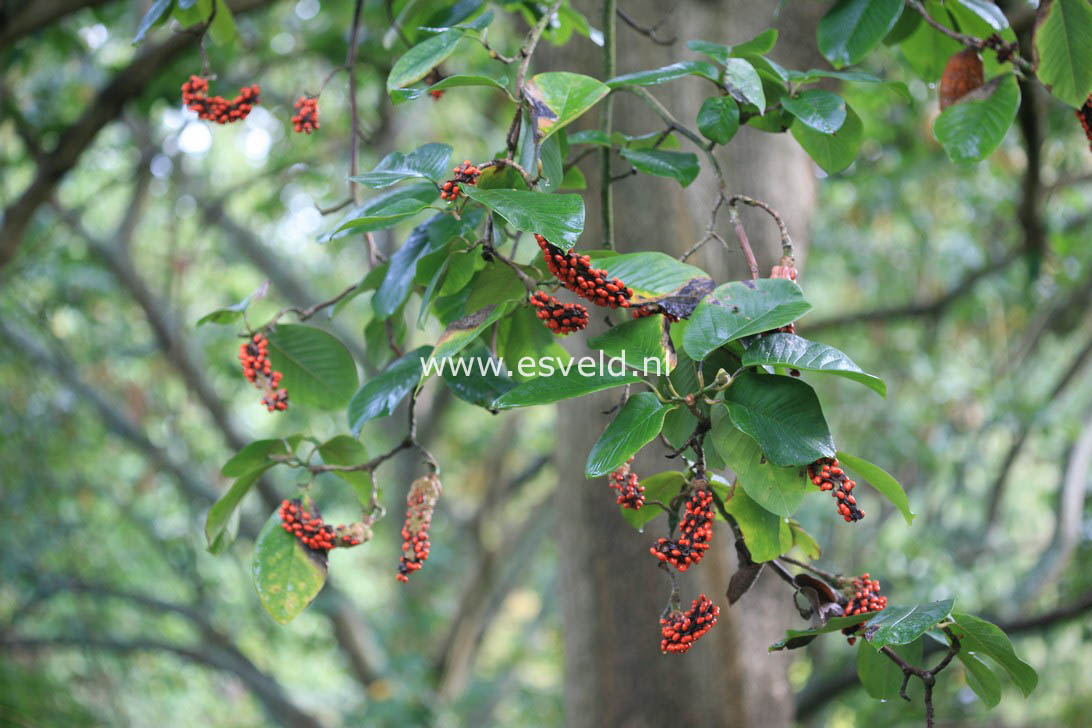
<point x="34" y="15"/>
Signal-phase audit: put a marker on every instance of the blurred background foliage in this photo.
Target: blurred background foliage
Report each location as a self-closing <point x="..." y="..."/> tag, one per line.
<point x="971" y="301"/>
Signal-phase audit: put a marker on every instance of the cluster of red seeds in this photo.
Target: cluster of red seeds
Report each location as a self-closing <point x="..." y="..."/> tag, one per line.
<point x="651" y="309"/>
<point x="421" y="502"/>
<point x="465" y="173"/>
<point x="254" y="354"/>
<point x="561" y="318"/>
<point x="631" y="494"/>
<point x="310" y="529"/>
<point x="680" y="630"/>
<point x="305" y="120"/>
<point x="217" y="108"/>
<point x="695" y="533"/>
<point x="866" y="598"/>
<point x="828" y="476"/>
<point x="1085" y="115"/>
<point x="575" y="273"/>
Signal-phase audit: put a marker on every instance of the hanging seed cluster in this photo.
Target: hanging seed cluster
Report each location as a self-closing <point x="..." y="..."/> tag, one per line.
<point x="695" y="533"/>
<point x="254" y="355"/>
<point x="680" y="630"/>
<point x="312" y="532"/>
<point x="575" y="273"/>
<point x="216" y="108"/>
<point x="826" y="474"/>
<point x="1085" y="115"/>
<point x="466" y="173"/>
<point x="421" y="501"/>
<point x="561" y="318"/>
<point x="631" y="494"/>
<point x="305" y="119"/>
<point x="866" y="598"/>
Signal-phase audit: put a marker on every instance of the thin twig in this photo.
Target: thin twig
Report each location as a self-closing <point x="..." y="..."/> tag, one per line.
<point x="350" y="62"/>
<point x="1005" y="51"/>
<point x="606" y="121"/>
<point x="649" y="32"/>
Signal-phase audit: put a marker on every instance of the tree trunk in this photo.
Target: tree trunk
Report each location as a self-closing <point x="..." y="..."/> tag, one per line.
<point x="612" y="591"/>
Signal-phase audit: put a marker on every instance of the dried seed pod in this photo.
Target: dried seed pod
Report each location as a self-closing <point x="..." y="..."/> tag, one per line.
<point x="420" y="504"/>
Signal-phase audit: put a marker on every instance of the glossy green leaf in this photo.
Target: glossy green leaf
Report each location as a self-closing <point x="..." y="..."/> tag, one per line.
<point x="804" y="541"/>
<point x="852" y="28"/>
<point x="398" y="282"/>
<point x="901" y="625"/>
<point x="879" y="479"/>
<point x="789" y="350"/>
<point x="783" y="415"/>
<point x="460" y="333"/>
<point x="565" y="383"/>
<point x="345" y="450"/>
<point x="318" y="370"/>
<point x="151" y="17"/>
<point x="717" y="51"/>
<point x="641" y="342"/>
<point x="879" y="675"/>
<point x="388" y="209"/>
<point x="650" y="275"/>
<point x="1063" y="43"/>
<point x="255" y="456"/>
<point x="816" y="74"/>
<point x="558" y="218"/>
<point x="779" y="490"/>
<point x="766" y="534"/>
<point x="718" y="119"/>
<point x="382" y="394"/>
<point x="415" y="63"/>
<point x="823" y="111"/>
<point x="287" y="575"/>
<point x="927" y="50"/>
<point x="220" y="513"/>
<point x="742" y="308"/>
<point x="986" y="10"/>
<point x="970" y="129"/>
<point x="573" y="179"/>
<point x="558" y="98"/>
<point x="981" y="679"/>
<point x="741" y="76"/>
<point x="795" y="638"/>
<point x="476" y="377"/>
<point x="637" y="424"/>
<point x="461" y="80"/>
<point x="430" y="161"/>
<point x="495" y="284"/>
<point x="522" y="339"/>
<point x="981" y="638"/>
<point x="662" y="487"/>
<point x="760" y="45"/>
<point x="682" y="167"/>
<point x="832" y="152"/>
<point x="663" y="75"/>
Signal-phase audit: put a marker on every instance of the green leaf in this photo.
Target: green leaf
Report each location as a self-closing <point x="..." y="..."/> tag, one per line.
<point x="422" y="58"/>
<point x="230" y="314"/>
<point x="460" y="80"/>
<point x="879" y="479"/>
<point x="558" y="218"/>
<point x="682" y="167"/>
<point x="495" y="284"/>
<point x="783" y="415"/>
<point x="718" y="119"/>
<point x="789" y="350"/>
<point x="318" y="370"/>
<point x="429" y="161"/>
<point x="662" y="487"/>
<point x="222" y="29"/>
<point x="287" y="575"/>
<point x="815" y="74"/>
<point x="641" y="419"/>
<point x="153" y="16"/>
<point x="476" y="377"/>
<point x="900" y="625"/>
<point x="1063" y="42"/>
<point x="742" y="308"/>
<point x="664" y="74"/>
<point x="777" y="489"/>
<point x="652" y="276"/>
<point x="760" y="45"/>
<point x="879" y="675"/>
<point x="717" y="51"/>
<point x="594" y="137"/>
<point x="981" y="679"/>
<point x="981" y="638"/>
<point x="559" y="98"/>
<point x="823" y="111"/>
<point x="804" y="541"/>
<point x="565" y="383"/>
<point x="459" y="334"/>
<point x="381" y="395"/>
<point x="742" y="76"/>
<point x="927" y="50"/>
<point x="764" y="532"/>
<point x="985" y="10"/>
<point x="795" y="638"/>
<point x="388" y="209"/>
<point x="255" y="456"/>
<point x="398" y="282"/>
<point x="573" y="179"/>
<point x="640" y="343"/>
<point x="832" y="152"/>
<point x="970" y="129"/>
<point x="222" y="510"/>
<point x="345" y="450"/>
<point x="522" y="337"/>
<point x="852" y="28"/>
